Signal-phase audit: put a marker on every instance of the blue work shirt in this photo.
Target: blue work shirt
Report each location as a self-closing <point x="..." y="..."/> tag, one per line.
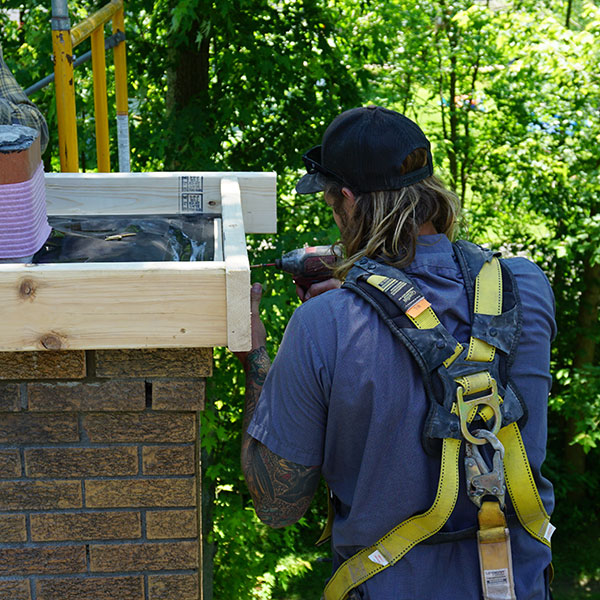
<point x="344" y="394"/>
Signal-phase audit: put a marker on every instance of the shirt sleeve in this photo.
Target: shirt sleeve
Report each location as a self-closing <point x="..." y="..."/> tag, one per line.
<point x="536" y="293"/>
<point x="16" y="108"/>
<point x="291" y="415"/>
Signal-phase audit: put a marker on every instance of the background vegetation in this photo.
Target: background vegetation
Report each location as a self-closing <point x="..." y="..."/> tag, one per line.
<point x="509" y="93"/>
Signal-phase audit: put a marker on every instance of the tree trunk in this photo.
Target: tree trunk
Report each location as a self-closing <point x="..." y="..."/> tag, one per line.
<point x="406" y="93"/>
<point x="452" y="151"/>
<point x="187" y="76"/>
<point x="585" y="350"/>
<point x="188" y="86"/>
<point x="568" y="17"/>
<point x="587" y="320"/>
<point x="465" y="166"/>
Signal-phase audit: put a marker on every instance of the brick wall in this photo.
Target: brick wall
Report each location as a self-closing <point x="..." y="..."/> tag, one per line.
<point x="99" y="474"/>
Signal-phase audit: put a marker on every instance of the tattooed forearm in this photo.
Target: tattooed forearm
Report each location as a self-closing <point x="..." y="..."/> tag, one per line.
<point x="281" y="490"/>
<point x="256" y="365"/>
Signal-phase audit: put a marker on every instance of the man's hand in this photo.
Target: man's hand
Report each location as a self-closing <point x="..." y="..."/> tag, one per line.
<point x="318" y="288"/>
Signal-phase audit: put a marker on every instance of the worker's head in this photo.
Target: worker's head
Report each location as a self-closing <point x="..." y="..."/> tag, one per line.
<point x="374" y="166"/>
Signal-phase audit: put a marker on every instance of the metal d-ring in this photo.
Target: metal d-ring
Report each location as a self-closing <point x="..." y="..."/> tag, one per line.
<point x="466" y="406"/>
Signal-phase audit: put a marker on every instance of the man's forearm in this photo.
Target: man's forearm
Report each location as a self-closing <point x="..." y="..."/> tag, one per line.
<point x="256" y="366"/>
<point x="281" y="489"/>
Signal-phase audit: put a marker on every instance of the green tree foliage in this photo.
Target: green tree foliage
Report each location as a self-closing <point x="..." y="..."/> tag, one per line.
<point x="245" y="78"/>
<point x="509" y="94"/>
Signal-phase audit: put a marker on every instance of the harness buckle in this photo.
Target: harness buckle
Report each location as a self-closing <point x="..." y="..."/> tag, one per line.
<point x="465" y="406"/>
<point x="481" y="480"/>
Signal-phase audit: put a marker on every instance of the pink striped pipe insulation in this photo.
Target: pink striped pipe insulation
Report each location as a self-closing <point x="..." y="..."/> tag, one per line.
<point x="23" y="221"/>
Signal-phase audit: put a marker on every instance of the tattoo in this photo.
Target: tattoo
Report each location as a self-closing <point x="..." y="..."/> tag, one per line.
<point x="258" y="365"/>
<point x="281" y="490"/>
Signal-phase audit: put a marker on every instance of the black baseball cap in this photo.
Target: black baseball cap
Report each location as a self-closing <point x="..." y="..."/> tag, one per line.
<point x="363" y="149"/>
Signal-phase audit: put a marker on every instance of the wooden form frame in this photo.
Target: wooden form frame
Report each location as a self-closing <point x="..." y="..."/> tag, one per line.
<point x="142" y="304"/>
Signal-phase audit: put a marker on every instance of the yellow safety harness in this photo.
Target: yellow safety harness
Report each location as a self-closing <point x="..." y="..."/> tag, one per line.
<point x="476" y="396"/>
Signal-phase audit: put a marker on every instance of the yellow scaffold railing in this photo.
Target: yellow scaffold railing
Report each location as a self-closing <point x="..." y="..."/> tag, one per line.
<point x="64" y="39"/>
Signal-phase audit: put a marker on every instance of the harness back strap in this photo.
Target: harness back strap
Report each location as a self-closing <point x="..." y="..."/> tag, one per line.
<point x="518" y="476"/>
<point x="488" y="301"/>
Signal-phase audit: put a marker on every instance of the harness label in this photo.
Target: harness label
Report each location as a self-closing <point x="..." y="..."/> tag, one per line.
<point x="410" y="300"/>
<point x="497" y="583"/>
<point x="549" y="531"/>
<point x="378" y="558"/>
<point x="416" y="309"/>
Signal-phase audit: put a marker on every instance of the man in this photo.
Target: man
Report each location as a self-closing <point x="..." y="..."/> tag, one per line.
<point x="16" y="108"/>
<point x="346" y="399"/>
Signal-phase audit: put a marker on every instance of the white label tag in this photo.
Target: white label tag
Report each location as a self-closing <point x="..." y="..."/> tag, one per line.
<point x="549" y="531"/>
<point x="378" y="558"/>
<point x="497" y="583"/>
<point x="191" y="194"/>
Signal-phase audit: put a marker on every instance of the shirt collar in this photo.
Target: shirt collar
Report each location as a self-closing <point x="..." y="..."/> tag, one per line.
<point x="431" y="249"/>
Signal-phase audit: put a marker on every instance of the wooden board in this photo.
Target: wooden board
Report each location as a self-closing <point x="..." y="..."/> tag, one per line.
<point x="125" y="305"/>
<point x="162" y="193"/>
<point x="237" y="268"/>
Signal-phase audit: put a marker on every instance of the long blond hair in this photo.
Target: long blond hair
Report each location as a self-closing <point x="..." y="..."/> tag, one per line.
<point x="386" y="224"/>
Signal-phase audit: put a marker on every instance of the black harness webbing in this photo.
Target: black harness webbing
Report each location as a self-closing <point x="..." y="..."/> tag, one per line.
<point x="432" y="347"/>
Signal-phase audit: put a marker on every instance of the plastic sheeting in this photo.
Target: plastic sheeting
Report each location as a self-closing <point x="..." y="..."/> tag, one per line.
<point x="129" y="239"/>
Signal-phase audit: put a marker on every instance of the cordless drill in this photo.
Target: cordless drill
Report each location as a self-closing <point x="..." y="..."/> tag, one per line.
<point x="307" y="265"/>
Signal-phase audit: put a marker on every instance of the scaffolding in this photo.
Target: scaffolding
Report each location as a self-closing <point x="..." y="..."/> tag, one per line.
<point x="64" y="40"/>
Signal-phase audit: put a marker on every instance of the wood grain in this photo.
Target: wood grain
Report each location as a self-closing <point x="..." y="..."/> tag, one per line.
<point x="237" y="267"/>
<point x="120" y="305"/>
<point x="159" y="193"/>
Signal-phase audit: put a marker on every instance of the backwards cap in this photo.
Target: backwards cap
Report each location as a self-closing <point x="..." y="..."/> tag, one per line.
<point x="363" y="149"/>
